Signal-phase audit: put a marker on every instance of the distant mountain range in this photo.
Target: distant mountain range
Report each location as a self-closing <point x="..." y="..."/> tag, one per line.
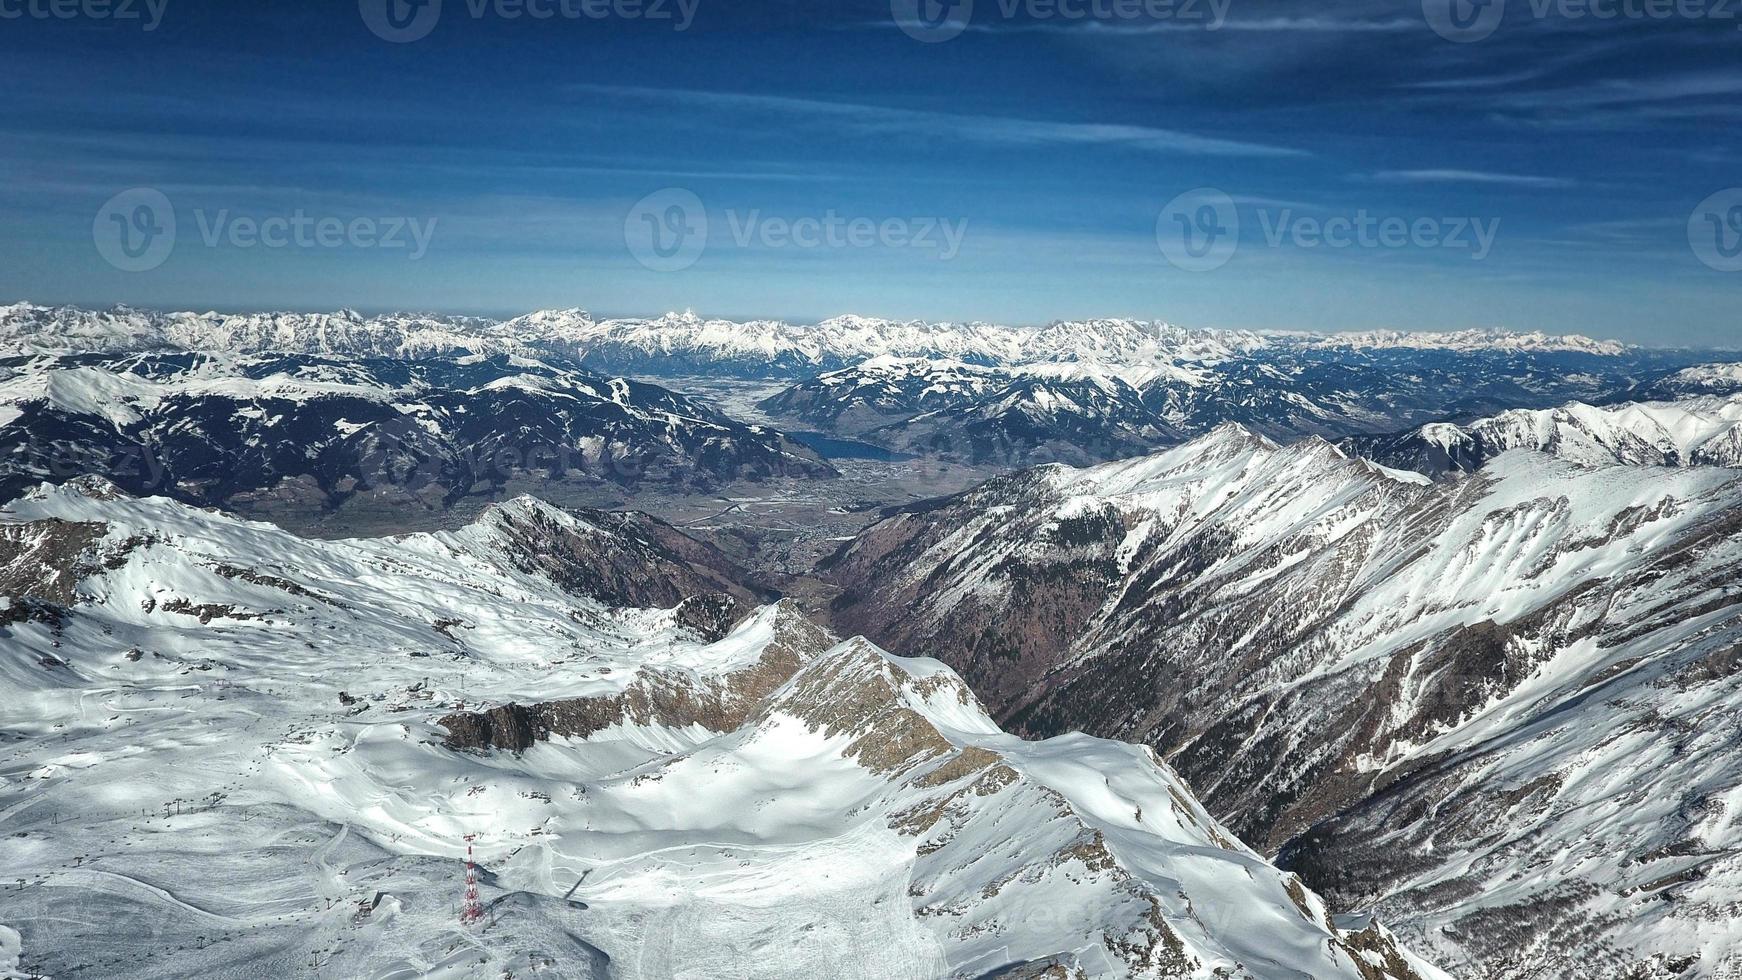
<point x="1072" y="391"/>
<point x="1080" y="413"/>
<point x="247" y="431"/>
<point x="1499" y="710"/>
<point x="679" y="343"/>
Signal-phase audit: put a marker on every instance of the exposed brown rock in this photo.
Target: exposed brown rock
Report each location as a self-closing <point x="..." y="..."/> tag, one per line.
<point x="653" y="697"/>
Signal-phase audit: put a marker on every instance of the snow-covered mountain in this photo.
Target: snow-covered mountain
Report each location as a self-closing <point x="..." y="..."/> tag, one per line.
<point x="1700" y="431"/>
<point x="1042" y="413"/>
<point x="26" y="327"/>
<point x="1078" y="391"/>
<point x="682" y="343"/>
<point x="1085" y="412"/>
<point x="1698" y="380"/>
<point x="1501" y="711"/>
<point x="1471" y="340"/>
<point x="686" y="343"/>
<point x="883" y="390"/>
<point x="234" y="752"/>
<point x="249" y="430"/>
<point x="676" y="343"/>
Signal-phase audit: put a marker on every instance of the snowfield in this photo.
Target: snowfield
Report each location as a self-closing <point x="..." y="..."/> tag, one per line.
<point x="231" y="752"/>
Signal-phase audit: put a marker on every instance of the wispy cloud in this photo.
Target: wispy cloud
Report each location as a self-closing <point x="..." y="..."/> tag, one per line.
<point x="1600" y="103"/>
<point x="862" y="119"/>
<point x="1452" y="176"/>
<point x="1267" y="25"/>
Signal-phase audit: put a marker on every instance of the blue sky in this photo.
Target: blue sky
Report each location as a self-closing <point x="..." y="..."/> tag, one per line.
<point x="1054" y="146"/>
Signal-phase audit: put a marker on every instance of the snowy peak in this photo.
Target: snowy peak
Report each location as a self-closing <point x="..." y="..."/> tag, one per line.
<point x="1700" y="380"/>
<point x="1474" y="340"/>
<point x="687" y="341"/>
<point x="121" y="328"/>
<point x="1696" y="431"/>
<point x="1085" y="392"/>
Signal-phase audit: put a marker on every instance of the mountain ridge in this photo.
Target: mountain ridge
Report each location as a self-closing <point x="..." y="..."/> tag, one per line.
<point x="246" y="430"/>
<point x="1399" y="684"/>
<point x="831" y="343"/>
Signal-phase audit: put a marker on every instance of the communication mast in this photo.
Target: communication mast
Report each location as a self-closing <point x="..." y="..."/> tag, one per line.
<point x="473" y="910"/>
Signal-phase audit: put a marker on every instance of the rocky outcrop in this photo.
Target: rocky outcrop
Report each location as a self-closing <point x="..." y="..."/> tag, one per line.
<point x="656" y="696"/>
<point x="998" y="828"/>
<point x="44" y="560"/>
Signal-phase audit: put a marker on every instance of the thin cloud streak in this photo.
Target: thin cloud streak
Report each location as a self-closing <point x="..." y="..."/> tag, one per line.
<point x="1452" y="176"/>
<point x="873" y="120"/>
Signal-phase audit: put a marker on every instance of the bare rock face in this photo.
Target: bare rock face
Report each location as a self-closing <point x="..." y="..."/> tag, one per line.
<point x="711" y="617"/>
<point x="1397" y="685"/>
<point x="622" y="559"/>
<point x="41" y="560"/>
<point x="511" y="727"/>
<point x="655" y="696"/>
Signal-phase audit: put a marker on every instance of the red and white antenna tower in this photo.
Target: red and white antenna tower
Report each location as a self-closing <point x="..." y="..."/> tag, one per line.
<point x="473" y="910"/>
